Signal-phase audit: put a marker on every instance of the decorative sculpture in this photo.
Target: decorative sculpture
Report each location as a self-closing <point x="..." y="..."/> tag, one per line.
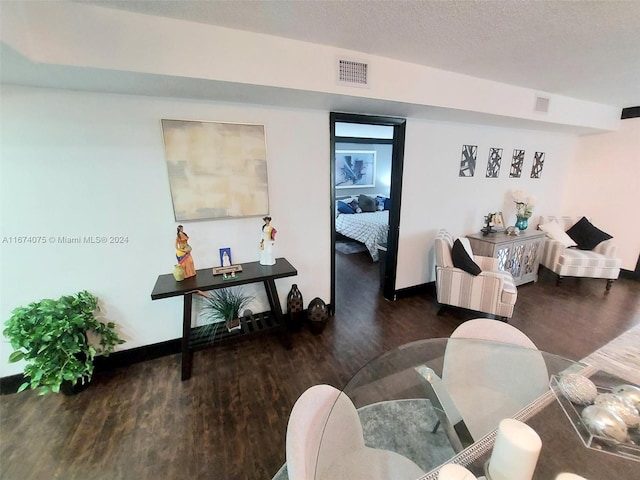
<point x="183" y="253"/>
<point x="267" y="240"/>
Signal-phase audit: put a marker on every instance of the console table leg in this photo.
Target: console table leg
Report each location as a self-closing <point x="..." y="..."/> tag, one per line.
<point x="187" y="354"/>
<point x="276" y="309"/>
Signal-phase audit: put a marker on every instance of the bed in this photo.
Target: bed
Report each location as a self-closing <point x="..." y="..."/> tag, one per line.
<point x="369" y="228"/>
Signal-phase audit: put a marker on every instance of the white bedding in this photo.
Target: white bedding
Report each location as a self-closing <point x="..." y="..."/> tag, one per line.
<point x="368" y="228"/>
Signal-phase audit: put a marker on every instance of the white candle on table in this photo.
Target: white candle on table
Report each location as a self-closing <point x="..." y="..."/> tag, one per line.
<point x="451" y="471"/>
<point x="569" y="476"/>
<point x="515" y="452"/>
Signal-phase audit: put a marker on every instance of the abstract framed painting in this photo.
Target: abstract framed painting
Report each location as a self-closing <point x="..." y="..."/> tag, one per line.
<point x="538" y="163"/>
<point x="516" y="163"/>
<point x="216" y="170"/>
<point x="468" y="160"/>
<point x="355" y="168"/>
<point x="493" y="164"/>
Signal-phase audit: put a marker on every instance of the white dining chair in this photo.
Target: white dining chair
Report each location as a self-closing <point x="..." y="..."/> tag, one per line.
<point x="486" y="382"/>
<point x="324" y="441"/>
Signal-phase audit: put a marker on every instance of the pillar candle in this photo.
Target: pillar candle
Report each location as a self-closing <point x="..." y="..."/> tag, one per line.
<point x="569" y="476"/>
<point x="452" y="471"/>
<point x="515" y="452"/>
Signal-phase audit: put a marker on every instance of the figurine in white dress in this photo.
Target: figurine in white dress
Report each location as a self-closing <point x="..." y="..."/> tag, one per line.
<point x="267" y="240"/>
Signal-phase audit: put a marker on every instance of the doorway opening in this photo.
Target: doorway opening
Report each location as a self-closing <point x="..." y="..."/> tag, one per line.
<point x="355" y="172"/>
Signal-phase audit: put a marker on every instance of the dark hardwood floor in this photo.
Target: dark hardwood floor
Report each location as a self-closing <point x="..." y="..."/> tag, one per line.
<point x="228" y="422"/>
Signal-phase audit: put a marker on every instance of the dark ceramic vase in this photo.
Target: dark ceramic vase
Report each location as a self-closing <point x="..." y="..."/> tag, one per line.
<point x="318" y="315"/>
<point x="295" y="309"/>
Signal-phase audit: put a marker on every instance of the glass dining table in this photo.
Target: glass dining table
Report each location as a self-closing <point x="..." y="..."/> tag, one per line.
<point x="439" y="401"/>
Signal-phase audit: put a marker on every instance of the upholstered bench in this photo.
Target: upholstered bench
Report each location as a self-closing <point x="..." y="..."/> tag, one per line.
<point x="561" y="256"/>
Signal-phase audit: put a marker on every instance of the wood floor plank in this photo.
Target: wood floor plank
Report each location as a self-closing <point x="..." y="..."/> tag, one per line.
<point x="228" y="422"/>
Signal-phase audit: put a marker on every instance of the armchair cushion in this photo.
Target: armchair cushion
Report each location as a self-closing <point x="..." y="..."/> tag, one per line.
<point x="586" y="259"/>
<point x="462" y="260"/>
<point x="586" y="235"/>
<point x="557" y="233"/>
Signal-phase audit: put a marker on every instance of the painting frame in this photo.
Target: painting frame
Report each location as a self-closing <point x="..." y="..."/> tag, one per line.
<point x="498" y="221"/>
<point x="517" y="163"/>
<point x="468" y="160"/>
<point x="537" y="165"/>
<point x="355" y="166"/>
<point x="217" y="170"/>
<point x="227" y="251"/>
<point x="493" y="162"/>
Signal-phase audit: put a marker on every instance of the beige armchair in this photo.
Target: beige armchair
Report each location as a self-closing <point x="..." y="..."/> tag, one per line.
<point x="601" y="262"/>
<point x="492" y="291"/>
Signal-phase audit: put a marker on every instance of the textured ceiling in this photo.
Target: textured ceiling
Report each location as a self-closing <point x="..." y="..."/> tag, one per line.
<point x="583" y="49"/>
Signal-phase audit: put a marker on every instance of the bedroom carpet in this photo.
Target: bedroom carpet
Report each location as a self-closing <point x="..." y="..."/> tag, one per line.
<point x="621" y="357"/>
<point x="349" y="247"/>
<point x="410" y="418"/>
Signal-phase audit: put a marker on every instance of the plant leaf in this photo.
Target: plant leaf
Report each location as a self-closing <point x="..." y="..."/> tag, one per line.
<point x="16" y="356"/>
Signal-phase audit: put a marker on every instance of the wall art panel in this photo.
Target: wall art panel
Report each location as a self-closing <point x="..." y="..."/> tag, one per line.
<point x="493" y="165"/>
<point x="468" y="161"/>
<point x="538" y="163"/>
<point x="516" y="163"/>
<point x="216" y="170"/>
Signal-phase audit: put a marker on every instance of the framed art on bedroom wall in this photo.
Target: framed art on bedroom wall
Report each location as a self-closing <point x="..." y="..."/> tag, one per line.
<point x="355" y="168"/>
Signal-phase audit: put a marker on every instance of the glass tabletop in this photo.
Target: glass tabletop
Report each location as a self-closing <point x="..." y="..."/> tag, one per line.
<point x="438" y="401"/>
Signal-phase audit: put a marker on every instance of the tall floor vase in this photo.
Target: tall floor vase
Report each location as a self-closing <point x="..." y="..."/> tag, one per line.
<point x="295" y="309"/>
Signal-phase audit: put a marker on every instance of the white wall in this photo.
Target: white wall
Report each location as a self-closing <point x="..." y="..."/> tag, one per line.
<point x="434" y="196"/>
<point x="93" y="164"/>
<point x="603" y="183"/>
<point x="84" y="164"/>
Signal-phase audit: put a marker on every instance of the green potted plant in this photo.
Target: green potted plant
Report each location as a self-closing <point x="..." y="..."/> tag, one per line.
<point x="223" y="306"/>
<point x="52" y="336"/>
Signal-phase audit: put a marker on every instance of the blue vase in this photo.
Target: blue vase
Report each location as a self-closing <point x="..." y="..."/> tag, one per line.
<point x="522" y="223"/>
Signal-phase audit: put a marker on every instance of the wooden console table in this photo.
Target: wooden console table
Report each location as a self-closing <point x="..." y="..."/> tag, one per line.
<point x="517" y="254"/>
<point x="167" y="286"/>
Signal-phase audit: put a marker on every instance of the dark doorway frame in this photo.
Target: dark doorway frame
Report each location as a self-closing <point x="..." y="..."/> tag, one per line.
<point x="397" y="164"/>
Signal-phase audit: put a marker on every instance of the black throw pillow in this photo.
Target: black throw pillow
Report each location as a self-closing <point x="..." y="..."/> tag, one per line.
<point x="586" y="235"/>
<point x="462" y="260"/>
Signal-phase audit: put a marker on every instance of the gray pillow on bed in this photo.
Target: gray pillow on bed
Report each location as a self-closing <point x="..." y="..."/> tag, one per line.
<point x="367" y="204"/>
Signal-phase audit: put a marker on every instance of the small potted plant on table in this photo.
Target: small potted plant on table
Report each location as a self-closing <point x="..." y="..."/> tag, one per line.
<point x="223" y="305"/>
<point x="51" y="336"/>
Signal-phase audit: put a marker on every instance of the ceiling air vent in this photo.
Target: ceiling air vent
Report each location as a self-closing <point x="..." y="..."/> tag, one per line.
<point x="542" y="104"/>
<point x="353" y="73"/>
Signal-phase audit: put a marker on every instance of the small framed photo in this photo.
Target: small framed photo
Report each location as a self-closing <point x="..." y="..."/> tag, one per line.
<point x="498" y="221"/>
<point x="225" y="257"/>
